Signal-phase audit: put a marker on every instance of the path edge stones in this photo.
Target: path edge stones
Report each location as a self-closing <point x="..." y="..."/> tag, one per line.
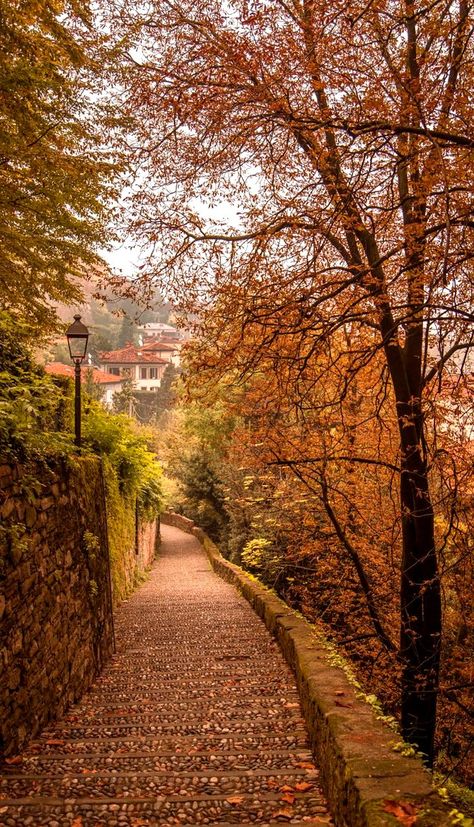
<point x="363" y="777"/>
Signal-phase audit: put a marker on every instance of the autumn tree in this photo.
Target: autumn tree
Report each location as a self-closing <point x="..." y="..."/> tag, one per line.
<point x="310" y="477"/>
<point x="55" y="170"/>
<point x="337" y="141"/>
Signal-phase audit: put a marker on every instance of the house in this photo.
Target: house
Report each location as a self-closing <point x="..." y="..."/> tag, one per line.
<point x="159" y="330"/>
<point x="169" y="351"/>
<point x="109" y="384"/>
<point x="144" y="368"/>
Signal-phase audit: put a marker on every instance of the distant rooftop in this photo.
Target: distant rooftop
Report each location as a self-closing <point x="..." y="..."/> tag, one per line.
<point x="159" y="345"/>
<point x="166" y="328"/>
<point x="131" y="355"/>
<point x="160" y="330"/>
<point x="98" y="376"/>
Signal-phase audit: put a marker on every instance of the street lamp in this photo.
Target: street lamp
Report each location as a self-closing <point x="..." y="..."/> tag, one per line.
<point x="77" y="337"/>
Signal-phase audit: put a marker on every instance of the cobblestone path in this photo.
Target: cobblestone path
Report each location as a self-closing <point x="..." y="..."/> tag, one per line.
<point x="195" y="721"/>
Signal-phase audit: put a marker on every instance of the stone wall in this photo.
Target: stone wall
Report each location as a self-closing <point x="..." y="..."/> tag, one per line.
<point x="147" y="542"/>
<point x="56" y="626"/>
<point x="132" y="544"/>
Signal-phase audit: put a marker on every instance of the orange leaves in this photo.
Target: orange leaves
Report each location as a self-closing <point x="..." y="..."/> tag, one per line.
<point x="303" y="786"/>
<point x="404" y="812"/>
<point x="284" y="813"/>
<point x="290" y="793"/>
<point x="235" y="799"/>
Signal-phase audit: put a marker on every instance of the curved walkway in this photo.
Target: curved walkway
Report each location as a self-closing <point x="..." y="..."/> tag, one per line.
<point x="196" y="720"/>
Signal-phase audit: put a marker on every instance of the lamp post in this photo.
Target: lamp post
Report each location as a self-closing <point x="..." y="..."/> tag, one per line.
<point x="77" y="338"/>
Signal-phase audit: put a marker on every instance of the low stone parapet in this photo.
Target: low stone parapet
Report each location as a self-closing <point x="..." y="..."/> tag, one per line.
<point x="177" y="521"/>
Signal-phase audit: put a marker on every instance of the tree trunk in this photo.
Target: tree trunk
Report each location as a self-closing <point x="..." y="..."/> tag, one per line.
<point x="420" y="635"/>
<point x="420" y="593"/>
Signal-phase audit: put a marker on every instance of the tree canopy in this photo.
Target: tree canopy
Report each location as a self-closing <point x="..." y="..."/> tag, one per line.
<point x="56" y="173"/>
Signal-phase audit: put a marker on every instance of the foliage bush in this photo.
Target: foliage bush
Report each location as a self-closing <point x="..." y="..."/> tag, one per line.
<point x="261" y="558"/>
<point x="194" y="447"/>
<point x="35" y="408"/>
<point x="128" y="448"/>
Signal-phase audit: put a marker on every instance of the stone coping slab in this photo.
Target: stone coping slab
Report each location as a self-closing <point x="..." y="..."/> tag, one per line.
<point x="367" y="782"/>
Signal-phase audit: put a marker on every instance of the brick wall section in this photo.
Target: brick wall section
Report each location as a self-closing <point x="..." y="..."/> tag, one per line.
<point x="55" y="604"/>
<point x="361" y="773"/>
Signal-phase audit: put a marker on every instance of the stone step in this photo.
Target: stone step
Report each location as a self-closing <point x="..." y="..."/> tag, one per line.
<point x="182" y="743"/>
<point x="171" y="761"/>
<point x="211" y="657"/>
<point x="160" y="642"/>
<point x="119" y="689"/>
<point x="208" y="809"/>
<point x="202" y="693"/>
<point x="187" y="713"/>
<point x="88" y="784"/>
<point x="240" y="726"/>
<point x="138" y="817"/>
<point x="167" y="683"/>
<point x="132" y="704"/>
<point x="207" y="676"/>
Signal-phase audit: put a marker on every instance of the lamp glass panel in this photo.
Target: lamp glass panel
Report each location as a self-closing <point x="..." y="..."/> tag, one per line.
<point x="77" y="346"/>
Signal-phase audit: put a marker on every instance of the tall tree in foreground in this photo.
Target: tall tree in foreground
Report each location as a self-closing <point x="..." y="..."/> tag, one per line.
<point x="339" y="138"/>
<point x="54" y="171"/>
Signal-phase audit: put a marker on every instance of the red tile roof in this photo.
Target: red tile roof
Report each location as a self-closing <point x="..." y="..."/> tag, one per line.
<point x="58" y="369"/>
<point x="157" y="345"/>
<point x="131" y="355"/>
<point x="103" y="378"/>
<point x="99" y="376"/>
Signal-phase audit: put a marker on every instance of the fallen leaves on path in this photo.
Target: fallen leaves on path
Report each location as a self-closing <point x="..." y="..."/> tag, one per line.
<point x="303" y="786"/>
<point x="403" y="811"/>
<point x="235" y="799"/>
<point x="286" y="814"/>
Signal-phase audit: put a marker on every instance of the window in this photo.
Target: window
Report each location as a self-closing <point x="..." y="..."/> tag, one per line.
<point x="115" y="371"/>
<point x="153" y="373"/>
<point x="142" y="373"/>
